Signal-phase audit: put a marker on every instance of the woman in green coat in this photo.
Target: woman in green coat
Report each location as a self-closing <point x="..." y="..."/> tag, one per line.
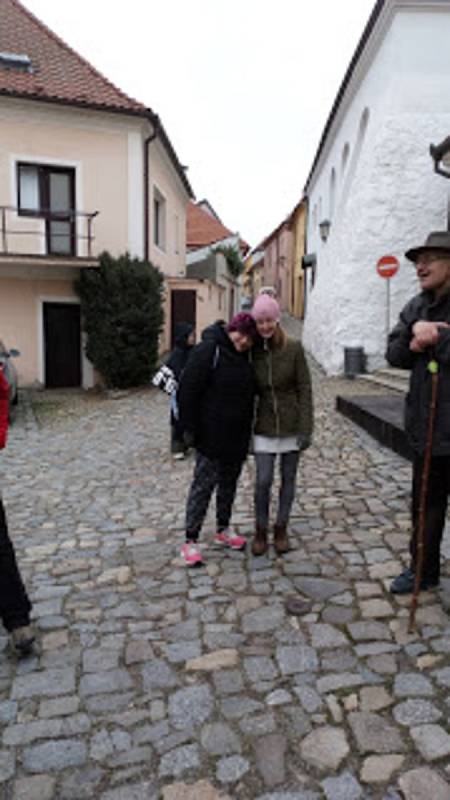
<point x="284" y="420"/>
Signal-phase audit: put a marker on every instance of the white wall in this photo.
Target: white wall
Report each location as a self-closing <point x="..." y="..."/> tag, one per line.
<point x="388" y="198"/>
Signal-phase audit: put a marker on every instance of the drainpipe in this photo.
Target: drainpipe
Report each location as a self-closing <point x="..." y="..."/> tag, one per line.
<point x="147" y="141"/>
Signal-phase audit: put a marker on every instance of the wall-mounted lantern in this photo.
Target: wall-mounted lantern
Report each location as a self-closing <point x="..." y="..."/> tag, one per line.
<point x="324" y="228"/>
<point x="440" y="153"/>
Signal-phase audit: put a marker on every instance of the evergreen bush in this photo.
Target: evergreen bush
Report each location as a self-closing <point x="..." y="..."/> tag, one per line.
<point x="121" y="305"/>
<point x="235" y="265"/>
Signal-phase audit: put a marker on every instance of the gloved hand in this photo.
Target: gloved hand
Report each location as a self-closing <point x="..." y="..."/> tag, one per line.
<point x="188" y="438"/>
<point x="303" y="442"/>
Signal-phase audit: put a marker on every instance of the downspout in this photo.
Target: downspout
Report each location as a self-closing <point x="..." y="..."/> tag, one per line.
<point x="147" y="142"/>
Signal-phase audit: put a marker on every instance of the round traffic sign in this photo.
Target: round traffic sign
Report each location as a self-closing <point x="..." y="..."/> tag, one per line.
<point x="387" y="266"/>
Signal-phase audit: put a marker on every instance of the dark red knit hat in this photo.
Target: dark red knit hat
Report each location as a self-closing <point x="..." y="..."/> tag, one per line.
<point x="243" y="323"/>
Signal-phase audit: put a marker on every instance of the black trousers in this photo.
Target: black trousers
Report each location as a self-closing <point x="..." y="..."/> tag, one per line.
<point x="15" y="606"/>
<point x="208" y="475"/>
<point x="436" y="509"/>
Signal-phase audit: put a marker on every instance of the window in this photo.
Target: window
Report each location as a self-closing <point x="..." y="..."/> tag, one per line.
<point x="49" y="192"/>
<point x="332" y="191"/>
<point x="17" y="61"/>
<point x="344" y="159"/>
<point x="159" y="219"/>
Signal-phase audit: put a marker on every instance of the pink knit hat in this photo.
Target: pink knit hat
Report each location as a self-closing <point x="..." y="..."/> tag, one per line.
<point x="265" y="307"/>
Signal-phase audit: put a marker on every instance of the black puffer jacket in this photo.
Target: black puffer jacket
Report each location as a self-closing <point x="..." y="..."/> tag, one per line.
<point x="424" y="307"/>
<point x="180" y="353"/>
<point x="216" y="397"/>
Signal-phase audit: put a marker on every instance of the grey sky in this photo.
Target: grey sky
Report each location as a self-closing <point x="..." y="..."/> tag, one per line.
<point x="243" y="87"/>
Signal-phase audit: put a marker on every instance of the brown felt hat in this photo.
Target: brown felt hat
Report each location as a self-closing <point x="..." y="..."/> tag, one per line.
<point x="438" y="240"/>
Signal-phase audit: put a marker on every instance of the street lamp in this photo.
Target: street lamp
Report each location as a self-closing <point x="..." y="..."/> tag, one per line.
<point x="324" y="228"/>
<point x="440" y="153"/>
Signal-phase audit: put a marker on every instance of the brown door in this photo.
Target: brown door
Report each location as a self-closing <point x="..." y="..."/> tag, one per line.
<point x="62" y="345"/>
<point x="183" y="309"/>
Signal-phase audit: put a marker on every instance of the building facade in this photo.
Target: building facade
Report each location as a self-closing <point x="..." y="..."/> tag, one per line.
<point x="83" y="169"/>
<point x="372" y="190"/>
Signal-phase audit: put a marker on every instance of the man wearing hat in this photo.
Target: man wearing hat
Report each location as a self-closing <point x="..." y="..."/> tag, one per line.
<point x="421" y="336"/>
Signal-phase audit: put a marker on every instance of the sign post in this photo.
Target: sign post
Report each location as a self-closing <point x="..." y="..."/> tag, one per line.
<point x="387" y="267"/>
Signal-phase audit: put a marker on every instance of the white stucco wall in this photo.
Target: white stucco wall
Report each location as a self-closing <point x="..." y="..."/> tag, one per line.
<point x="388" y="197"/>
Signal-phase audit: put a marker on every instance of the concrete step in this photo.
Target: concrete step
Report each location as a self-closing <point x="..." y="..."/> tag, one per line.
<point x="379" y="415"/>
<point x="396" y="379"/>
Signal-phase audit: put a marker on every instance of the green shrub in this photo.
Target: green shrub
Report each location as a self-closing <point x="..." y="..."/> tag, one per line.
<point x="121" y="305"/>
<point x="235" y="265"/>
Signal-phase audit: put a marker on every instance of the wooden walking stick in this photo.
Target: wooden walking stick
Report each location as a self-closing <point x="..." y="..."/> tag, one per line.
<point x="433" y="368"/>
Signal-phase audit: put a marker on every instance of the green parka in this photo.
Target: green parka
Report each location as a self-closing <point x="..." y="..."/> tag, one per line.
<point x="284" y="398"/>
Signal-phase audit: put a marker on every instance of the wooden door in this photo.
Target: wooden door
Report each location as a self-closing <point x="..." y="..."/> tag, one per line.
<point x="184" y="302"/>
<point x="62" y="345"/>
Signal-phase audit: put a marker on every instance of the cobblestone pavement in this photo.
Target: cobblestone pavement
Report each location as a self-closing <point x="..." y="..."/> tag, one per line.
<point x="153" y="681"/>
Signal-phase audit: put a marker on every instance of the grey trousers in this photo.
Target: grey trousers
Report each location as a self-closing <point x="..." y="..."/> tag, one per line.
<point x="209" y="475"/>
<point x="265" y="467"/>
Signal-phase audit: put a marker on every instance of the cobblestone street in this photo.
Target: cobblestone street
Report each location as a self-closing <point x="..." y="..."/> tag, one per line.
<point x="152" y="681"/>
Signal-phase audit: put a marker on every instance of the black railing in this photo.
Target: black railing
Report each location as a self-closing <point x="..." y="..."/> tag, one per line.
<point x="52" y="236"/>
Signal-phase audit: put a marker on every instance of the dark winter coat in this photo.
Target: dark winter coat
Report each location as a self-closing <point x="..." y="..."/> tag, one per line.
<point x="180" y="353"/>
<point x="216" y="396"/>
<point x="424" y="307"/>
<point x="284" y="404"/>
<point x="4" y="409"/>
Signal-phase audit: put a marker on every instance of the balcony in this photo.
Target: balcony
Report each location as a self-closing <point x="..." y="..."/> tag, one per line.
<point x="62" y="238"/>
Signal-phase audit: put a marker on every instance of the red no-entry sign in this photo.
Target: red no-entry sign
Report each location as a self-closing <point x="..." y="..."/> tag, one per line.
<point x="387" y="266"/>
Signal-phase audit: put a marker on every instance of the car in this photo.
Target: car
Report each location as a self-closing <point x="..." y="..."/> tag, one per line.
<point x="10" y="371"/>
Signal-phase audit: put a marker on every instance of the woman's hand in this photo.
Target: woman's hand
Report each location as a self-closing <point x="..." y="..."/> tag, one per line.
<point x="303" y="442"/>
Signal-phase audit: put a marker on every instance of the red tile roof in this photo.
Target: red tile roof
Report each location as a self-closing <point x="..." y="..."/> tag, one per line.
<point x="59" y="75"/>
<point x="204" y="229"/>
<point x="57" y="72"/>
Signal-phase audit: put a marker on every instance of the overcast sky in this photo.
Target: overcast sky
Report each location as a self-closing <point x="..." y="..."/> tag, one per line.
<point x="243" y="87"/>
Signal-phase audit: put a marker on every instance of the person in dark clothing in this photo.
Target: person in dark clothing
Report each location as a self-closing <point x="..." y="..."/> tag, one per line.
<point x="420" y="337"/>
<point x="184" y="342"/>
<point x="15" y="606"/>
<point x="215" y="398"/>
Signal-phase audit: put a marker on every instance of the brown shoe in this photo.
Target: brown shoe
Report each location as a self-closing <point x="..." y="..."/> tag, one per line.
<point x="260" y="544"/>
<point x="280" y="539"/>
<point x="22" y="640"/>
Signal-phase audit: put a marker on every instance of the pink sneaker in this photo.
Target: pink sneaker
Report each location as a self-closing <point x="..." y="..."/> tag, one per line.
<point x="191" y="554"/>
<point x="231" y="540"/>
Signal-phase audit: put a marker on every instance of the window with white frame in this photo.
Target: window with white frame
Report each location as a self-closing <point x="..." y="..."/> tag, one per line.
<point x="48" y="192"/>
<point x="159" y="219"/>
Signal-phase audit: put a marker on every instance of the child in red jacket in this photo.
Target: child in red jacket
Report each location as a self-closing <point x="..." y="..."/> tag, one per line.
<point x="15" y="606"/>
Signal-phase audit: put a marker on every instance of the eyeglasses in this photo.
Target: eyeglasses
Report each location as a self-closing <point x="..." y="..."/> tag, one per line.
<point x="428" y="258"/>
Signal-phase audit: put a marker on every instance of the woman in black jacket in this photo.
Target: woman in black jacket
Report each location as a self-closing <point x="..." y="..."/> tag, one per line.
<point x="215" y="401"/>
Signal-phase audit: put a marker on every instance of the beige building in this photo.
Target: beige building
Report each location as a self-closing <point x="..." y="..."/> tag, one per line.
<point x="83" y="168"/>
<point x="297" y="224"/>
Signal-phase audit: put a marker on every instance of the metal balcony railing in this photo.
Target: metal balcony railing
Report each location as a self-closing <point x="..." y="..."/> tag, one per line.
<point x="61" y="230"/>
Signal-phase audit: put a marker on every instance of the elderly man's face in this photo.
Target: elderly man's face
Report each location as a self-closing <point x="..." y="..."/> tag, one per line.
<point x="433" y="271"/>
